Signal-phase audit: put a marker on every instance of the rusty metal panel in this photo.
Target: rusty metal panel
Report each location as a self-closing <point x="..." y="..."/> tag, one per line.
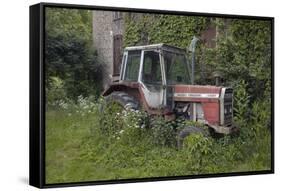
<point x="211" y="112"/>
<point x="197" y="89"/>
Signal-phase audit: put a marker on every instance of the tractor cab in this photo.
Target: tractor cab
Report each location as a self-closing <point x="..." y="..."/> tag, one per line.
<point x="156" y="67"/>
<point x="159" y="79"/>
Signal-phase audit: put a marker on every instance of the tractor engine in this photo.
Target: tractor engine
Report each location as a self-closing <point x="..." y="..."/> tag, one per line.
<point x="210" y="105"/>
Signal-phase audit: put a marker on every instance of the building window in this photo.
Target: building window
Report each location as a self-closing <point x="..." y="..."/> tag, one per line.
<point x="117" y="15"/>
<point x="117" y="53"/>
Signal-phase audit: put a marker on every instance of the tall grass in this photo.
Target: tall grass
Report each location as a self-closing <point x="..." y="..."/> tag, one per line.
<point x="85" y="144"/>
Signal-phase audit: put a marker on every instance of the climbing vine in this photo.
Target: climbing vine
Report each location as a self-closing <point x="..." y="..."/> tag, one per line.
<point x="170" y="29"/>
<point x="142" y="29"/>
<point x="244" y="53"/>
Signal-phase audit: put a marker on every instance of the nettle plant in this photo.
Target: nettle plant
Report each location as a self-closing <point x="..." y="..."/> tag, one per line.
<point x="128" y="125"/>
<point x="199" y="144"/>
<point x="162" y="133"/>
<point x="116" y="122"/>
<point x="120" y="124"/>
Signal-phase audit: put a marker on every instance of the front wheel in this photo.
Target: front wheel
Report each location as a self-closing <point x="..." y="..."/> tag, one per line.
<point x="187" y="131"/>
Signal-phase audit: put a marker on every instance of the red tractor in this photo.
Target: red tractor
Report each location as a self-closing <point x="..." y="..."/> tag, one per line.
<point x="159" y="79"/>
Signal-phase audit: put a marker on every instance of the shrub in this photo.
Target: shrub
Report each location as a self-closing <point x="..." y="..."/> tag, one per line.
<point x="162" y="133"/>
<point x="111" y="119"/>
<point x="56" y="94"/>
<point x="241" y="102"/>
<point x="261" y="118"/>
<point x="199" y="145"/>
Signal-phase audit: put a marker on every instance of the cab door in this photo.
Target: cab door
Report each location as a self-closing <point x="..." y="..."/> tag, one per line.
<point x="151" y="78"/>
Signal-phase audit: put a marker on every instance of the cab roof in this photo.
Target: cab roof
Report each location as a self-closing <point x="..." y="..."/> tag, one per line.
<point x="161" y="46"/>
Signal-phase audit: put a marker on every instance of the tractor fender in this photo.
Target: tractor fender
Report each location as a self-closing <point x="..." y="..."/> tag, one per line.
<point x="120" y="87"/>
<point x="134" y="89"/>
<point x="130" y="88"/>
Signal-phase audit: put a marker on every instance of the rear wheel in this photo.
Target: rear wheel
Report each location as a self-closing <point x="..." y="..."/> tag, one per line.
<point x="112" y="108"/>
<point x="126" y="101"/>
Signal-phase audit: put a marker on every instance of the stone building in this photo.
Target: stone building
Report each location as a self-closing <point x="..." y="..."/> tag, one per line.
<point x="108" y="29"/>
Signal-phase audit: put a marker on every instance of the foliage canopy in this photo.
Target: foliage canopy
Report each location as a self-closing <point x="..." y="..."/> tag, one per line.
<point x="70" y="55"/>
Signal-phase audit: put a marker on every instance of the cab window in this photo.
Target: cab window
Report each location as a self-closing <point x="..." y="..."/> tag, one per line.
<point x="151" y="73"/>
<point x="132" y="66"/>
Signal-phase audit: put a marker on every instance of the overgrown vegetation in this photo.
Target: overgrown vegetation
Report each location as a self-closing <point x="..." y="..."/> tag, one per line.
<point x="72" y="66"/>
<point x="83" y="144"/>
<point x="80" y="149"/>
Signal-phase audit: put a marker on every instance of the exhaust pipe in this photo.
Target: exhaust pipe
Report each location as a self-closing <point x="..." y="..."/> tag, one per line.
<point x="192" y="47"/>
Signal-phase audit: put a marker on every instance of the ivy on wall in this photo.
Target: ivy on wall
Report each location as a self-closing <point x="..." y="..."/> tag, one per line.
<point x="143" y="29"/>
<point x="242" y="52"/>
<point x="245" y="53"/>
<point x="170" y="29"/>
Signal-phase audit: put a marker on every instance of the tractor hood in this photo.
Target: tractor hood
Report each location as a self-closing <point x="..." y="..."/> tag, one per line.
<point x="196" y="93"/>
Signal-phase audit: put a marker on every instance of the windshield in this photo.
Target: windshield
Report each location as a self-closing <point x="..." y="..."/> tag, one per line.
<point x="176" y="68"/>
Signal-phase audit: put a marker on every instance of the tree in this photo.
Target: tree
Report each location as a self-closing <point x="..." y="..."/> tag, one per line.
<point x="69" y="52"/>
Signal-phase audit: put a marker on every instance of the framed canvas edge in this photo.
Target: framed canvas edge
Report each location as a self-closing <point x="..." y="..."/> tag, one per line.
<point x="36" y="102"/>
<point x="158" y="11"/>
<point x="38" y="90"/>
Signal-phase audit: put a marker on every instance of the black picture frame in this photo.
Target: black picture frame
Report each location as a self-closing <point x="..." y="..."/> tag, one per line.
<point x="37" y="95"/>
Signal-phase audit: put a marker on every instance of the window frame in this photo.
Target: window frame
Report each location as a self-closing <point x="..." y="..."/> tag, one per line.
<point x="125" y="64"/>
<point x="117" y="15"/>
<point x="187" y="67"/>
